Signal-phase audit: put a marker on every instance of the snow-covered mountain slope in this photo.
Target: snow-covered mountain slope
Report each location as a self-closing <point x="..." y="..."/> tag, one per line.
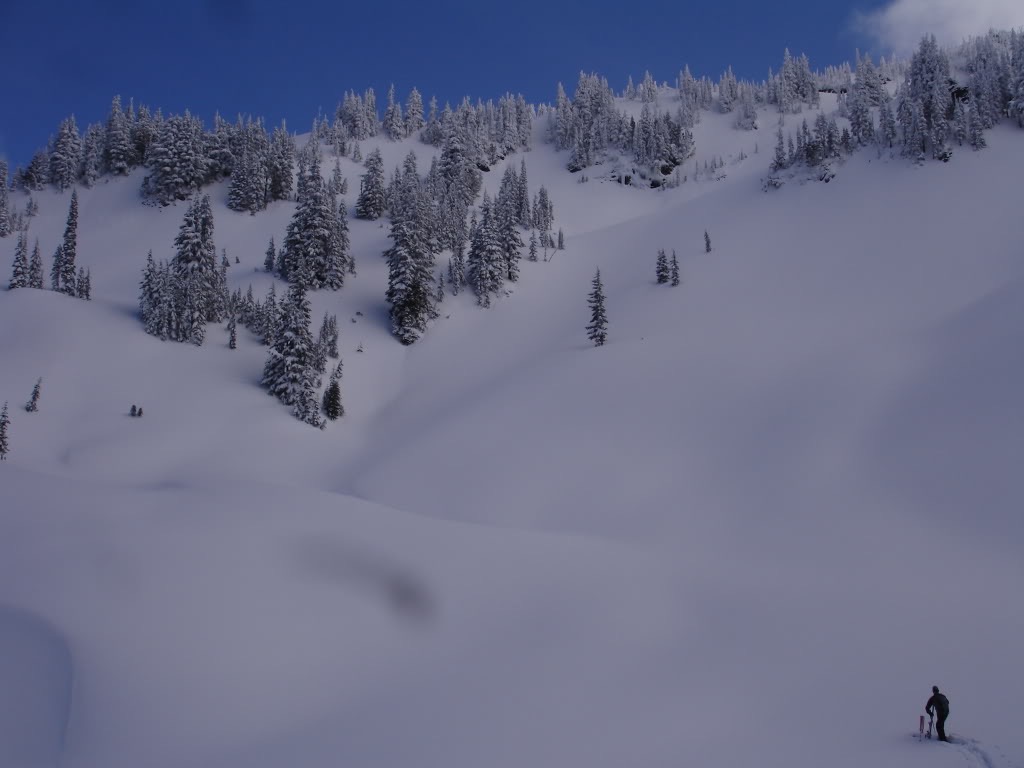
<point x="754" y="528"/>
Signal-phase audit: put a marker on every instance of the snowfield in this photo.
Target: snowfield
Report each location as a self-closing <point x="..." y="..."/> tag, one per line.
<point x="755" y="528"/>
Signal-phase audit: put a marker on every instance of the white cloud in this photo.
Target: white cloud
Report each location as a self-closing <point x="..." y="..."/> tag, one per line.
<point x="901" y="24"/>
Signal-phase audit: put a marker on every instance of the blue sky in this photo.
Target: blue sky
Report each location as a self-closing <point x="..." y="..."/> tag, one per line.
<point x="257" y="57"/>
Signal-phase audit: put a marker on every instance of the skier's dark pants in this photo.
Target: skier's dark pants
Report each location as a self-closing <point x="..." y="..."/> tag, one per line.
<point x="940" y="726"/>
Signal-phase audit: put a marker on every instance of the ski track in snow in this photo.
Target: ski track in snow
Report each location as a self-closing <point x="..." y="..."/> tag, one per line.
<point x="977" y="755"/>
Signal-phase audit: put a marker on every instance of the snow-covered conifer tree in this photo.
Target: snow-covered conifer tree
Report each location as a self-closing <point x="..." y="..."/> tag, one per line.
<point x="394" y="124"/>
<point x="707" y="242"/>
<point x="1016" y="80"/>
<point x="976" y="125"/>
<point x="674" y="270"/>
<point x="410" y="261"/>
<point x="5" y="422"/>
<point x="118" y="150"/>
<point x="232" y="333"/>
<point x="413" y="113"/>
<point x="5" y="211"/>
<point x="371" y="202"/>
<point x="333" y="408"/>
<point x="92" y="154"/>
<point x="661" y="273"/>
<point x="288" y="374"/>
<point x="20" y="270"/>
<point x="485" y="265"/>
<point x="178" y="159"/>
<point x="35" y="268"/>
<point x="33" y="402"/>
<point x="66" y="155"/>
<point x="63" y="275"/>
<point x="317" y="236"/>
<point x="200" y="293"/>
<point x="597" y="331"/>
<point x="925" y="100"/>
<point x="270" y="258"/>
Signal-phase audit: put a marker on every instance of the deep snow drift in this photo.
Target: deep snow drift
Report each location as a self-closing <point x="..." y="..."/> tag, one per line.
<point x="753" y="529"/>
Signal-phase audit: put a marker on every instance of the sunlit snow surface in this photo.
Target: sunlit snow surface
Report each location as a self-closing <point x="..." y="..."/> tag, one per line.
<point x="752" y="530"/>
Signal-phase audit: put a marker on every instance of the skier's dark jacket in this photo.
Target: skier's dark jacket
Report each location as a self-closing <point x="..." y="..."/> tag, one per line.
<point x="939" y="703"/>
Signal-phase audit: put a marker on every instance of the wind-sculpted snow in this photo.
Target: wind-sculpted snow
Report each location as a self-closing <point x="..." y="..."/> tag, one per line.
<point x="754" y="528"/>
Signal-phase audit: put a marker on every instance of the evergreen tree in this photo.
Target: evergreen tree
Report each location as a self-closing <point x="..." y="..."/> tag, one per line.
<point x="35" y="268"/>
<point x="20" y="271"/>
<point x="318" y="236"/>
<point x="976" y="126"/>
<point x="118" y="150"/>
<point x="533" y="245"/>
<point x="221" y="146"/>
<point x="268" y="262"/>
<point x="281" y="164"/>
<point x="505" y="209"/>
<point x="288" y="374"/>
<point x="661" y="272"/>
<point x="178" y="159"/>
<point x="92" y="155"/>
<point x="81" y="284"/>
<point x="5" y="422"/>
<point x="413" y="113"/>
<point x="371" y="202"/>
<point x="674" y="272"/>
<point x="561" y="240"/>
<point x="886" y="123"/>
<point x="271" y="317"/>
<point x="66" y="155"/>
<point x="925" y="101"/>
<point x="960" y="127"/>
<point x="36" y="176"/>
<point x="232" y="333"/>
<point x="33" y="402"/>
<point x="333" y="408"/>
<point x="5" y="212"/>
<point x="323" y="341"/>
<point x="779" y="161"/>
<point x="410" y="261"/>
<point x="597" y="331"/>
<point x="332" y="337"/>
<point x="64" y="261"/>
<point x="1015" y="80"/>
<point x="195" y="265"/>
<point x="707" y="242"/>
<point x="485" y="265"/>
<point x="394" y="125"/>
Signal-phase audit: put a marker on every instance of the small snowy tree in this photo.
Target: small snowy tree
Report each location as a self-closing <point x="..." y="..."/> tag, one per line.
<point x="268" y="261"/>
<point x="597" y="331"/>
<point x="661" y="272"/>
<point x="371" y="201"/>
<point x="20" y="271"/>
<point x="674" y="269"/>
<point x="5" y="422"/>
<point x="5" y="212"/>
<point x="33" y="403"/>
<point x="35" y="268"/>
<point x="707" y="242"/>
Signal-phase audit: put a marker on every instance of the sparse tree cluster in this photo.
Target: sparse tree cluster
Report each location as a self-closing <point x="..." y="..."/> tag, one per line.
<point x="27" y="272"/>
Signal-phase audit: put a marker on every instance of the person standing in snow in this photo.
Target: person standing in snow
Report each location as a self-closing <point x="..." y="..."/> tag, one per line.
<point x="938" y="704"/>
